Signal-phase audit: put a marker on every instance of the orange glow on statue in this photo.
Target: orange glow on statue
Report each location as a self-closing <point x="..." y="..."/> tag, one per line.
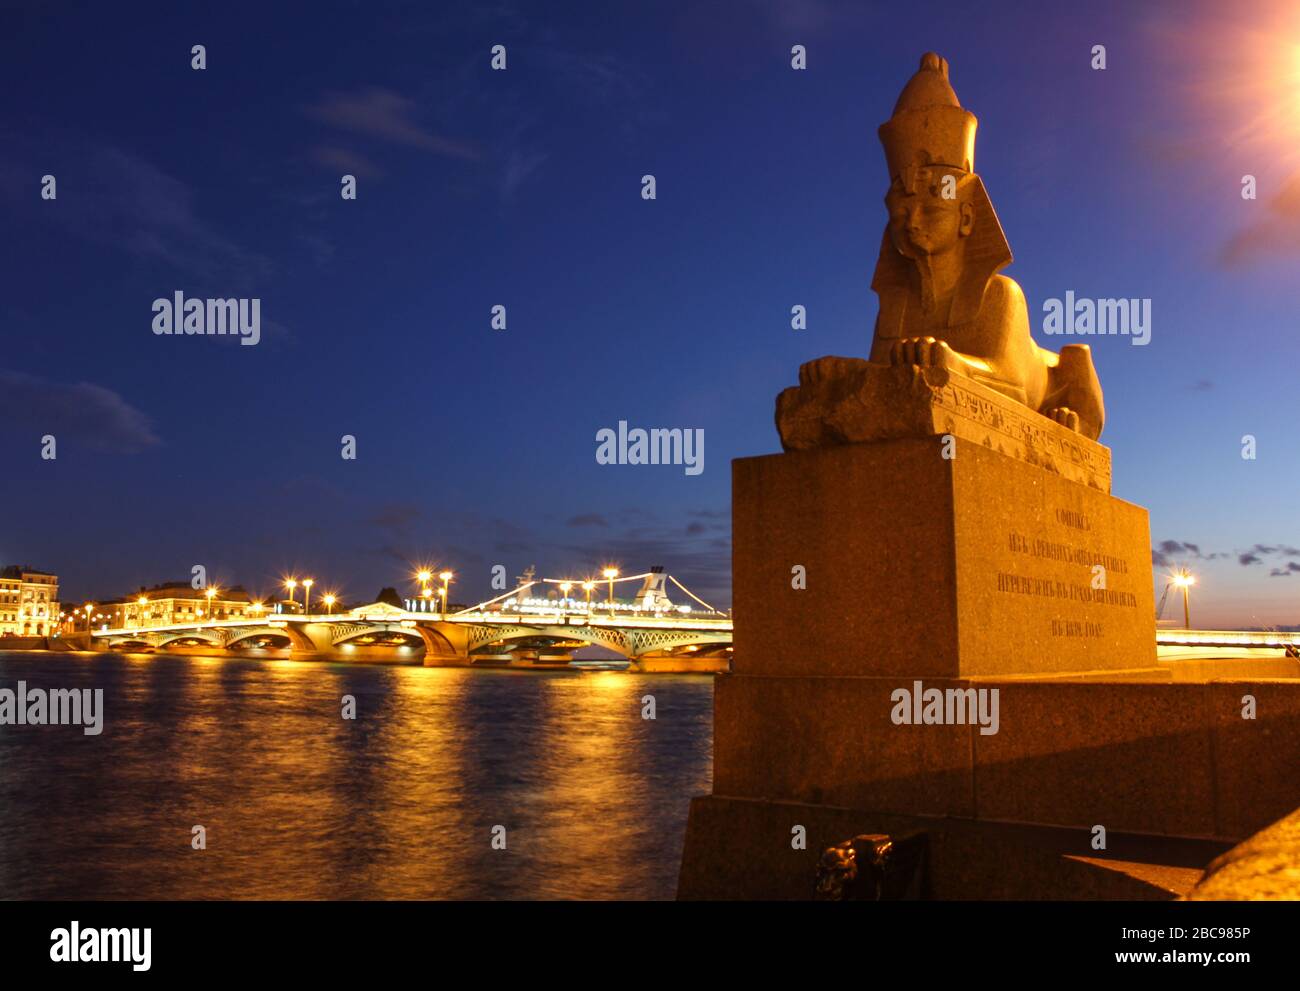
<point x="942" y="302"/>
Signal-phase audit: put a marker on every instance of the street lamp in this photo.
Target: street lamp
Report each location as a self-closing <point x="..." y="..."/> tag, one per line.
<point x="564" y="601"/>
<point x="587" y="586"/>
<point x="90" y="609"/>
<point x="291" y="584"/>
<point x="446" y="577"/>
<point x="425" y="594"/>
<point x="212" y="612"/>
<point x="611" y="574"/>
<point x="307" y="583"/>
<point x="1185" y="581"/>
<point x="142" y="602"/>
<point x="423" y="577"/>
<point x="329" y="601"/>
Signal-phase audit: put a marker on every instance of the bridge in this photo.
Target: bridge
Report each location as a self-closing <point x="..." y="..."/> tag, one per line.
<point x="520" y="628"/>
<point x="1254" y="639"/>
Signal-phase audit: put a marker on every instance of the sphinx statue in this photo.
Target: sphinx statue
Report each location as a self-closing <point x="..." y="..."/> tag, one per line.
<point x="942" y="302"/>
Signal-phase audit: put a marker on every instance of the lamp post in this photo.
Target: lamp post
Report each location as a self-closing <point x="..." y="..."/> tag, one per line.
<point x="211" y="594"/>
<point x="423" y="577"/>
<point x="587" y="586"/>
<point x="446" y="577"/>
<point x="291" y="584"/>
<point x="1185" y="581"/>
<point x="307" y="583"/>
<point x="329" y="601"/>
<point x="90" y="618"/>
<point x="425" y="594"/>
<point x="564" y="601"/>
<point x="610" y="574"/>
<point x="142" y="602"/>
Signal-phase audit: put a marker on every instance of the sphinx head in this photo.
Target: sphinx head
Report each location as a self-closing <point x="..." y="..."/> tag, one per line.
<point x="931" y="209"/>
<point x="940" y="217"/>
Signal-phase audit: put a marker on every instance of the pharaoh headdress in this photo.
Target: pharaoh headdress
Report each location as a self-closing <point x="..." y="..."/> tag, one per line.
<point x="930" y="128"/>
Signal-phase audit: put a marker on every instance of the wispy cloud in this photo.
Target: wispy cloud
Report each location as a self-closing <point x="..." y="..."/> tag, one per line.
<point x="1167" y="552"/>
<point x="346" y="162"/>
<point x="381" y="113"/>
<point x="519" y="165"/>
<point x="1259" y="552"/>
<point x="82" y="413"/>
<point x="396" y="516"/>
<point x="113" y="197"/>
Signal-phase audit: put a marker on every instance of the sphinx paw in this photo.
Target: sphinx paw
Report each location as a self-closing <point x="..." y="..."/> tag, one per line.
<point x="1065" y="416"/>
<point x="924" y="351"/>
<point x="825" y="369"/>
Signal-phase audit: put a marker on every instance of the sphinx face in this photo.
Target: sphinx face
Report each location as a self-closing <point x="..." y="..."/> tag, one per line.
<point x="922" y="221"/>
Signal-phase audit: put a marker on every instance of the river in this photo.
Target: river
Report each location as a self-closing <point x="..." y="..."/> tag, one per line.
<point x="300" y="803"/>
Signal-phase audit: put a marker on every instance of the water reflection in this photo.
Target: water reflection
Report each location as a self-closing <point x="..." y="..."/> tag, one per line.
<point x="300" y="803"/>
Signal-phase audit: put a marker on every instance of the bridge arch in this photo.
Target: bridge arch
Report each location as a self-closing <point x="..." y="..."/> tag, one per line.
<point x="652" y="641"/>
<point x="435" y="641"/>
<point x="351" y="632"/>
<point x="238" y="636"/>
<point x="215" y="638"/>
<point x="615" y="640"/>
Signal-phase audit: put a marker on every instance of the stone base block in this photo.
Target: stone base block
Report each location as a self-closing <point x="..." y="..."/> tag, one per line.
<point x="891" y="558"/>
<point x="854" y="401"/>
<point x="742" y="849"/>
<point x="1174" y="759"/>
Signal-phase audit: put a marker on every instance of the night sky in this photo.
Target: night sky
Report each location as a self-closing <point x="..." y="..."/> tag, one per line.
<point x="523" y="188"/>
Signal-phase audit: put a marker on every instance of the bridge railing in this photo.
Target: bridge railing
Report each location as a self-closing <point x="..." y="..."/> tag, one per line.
<point x="647" y="621"/>
<point x="1226" y="638"/>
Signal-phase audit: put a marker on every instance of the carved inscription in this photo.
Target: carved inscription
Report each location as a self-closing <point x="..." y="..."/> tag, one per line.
<point x="1074" y="549"/>
<point x="1051" y="588"/>
<point x="1055" y="550"/>
<point x="1022" y="428"/>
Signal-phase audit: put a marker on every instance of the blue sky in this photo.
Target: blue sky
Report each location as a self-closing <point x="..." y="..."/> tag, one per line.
<point x="522" y="188"/>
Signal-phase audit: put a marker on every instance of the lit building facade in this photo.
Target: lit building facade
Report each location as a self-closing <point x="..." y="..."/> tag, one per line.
<point x="173" y="603"/>
<point x="29" y="602"/>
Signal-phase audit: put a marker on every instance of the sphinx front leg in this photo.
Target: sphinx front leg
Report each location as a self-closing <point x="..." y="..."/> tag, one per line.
<point x="1065" y="416"/>
<point x="927" y="352"/>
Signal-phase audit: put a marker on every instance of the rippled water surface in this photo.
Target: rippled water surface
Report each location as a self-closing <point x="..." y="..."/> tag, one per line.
<point x="300" y="803"/>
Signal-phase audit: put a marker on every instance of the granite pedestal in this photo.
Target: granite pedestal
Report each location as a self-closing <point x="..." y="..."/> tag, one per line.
<point x="953" y="553"/>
